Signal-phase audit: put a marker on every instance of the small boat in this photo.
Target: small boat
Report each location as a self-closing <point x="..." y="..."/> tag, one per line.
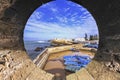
<point x="70" y="63"/>
<point x="84" y="57"/>
<point x="75" y="63"/>
<point x="69" y="58"/>
<point x="91" y="46"/>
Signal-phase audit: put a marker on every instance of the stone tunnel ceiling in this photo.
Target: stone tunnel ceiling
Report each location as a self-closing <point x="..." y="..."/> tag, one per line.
<point x="14" y="15"/>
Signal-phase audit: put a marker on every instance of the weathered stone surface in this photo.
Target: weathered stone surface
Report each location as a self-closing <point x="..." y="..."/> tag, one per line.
<point x="18" y="66"/>
<point x="3" y="5"/>
<point x="83" y="74"/>
<point x="99" y="71"/>
<point x="14" y="14"/>
<point x="114" y="66"/>
<point x="71" y="77"/>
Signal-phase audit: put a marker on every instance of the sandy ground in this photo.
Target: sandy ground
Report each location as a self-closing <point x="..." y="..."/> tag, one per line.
<point x="55" y="62"/>
<point x="56" y="67"/>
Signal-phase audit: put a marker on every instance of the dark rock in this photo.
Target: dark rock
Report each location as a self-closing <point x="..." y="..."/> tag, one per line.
<point x="2" y="62"/>
<point x="38" y="49"/>
<point x="117" y="57"/>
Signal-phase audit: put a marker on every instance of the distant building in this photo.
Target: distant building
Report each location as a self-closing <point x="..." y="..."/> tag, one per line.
<point x="79" y="39"/>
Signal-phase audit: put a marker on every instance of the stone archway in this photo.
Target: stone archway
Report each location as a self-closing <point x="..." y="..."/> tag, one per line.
<point x="16" y="65"/>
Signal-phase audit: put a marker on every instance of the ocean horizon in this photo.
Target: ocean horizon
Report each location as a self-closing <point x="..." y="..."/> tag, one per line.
<point x="30" y="47"/>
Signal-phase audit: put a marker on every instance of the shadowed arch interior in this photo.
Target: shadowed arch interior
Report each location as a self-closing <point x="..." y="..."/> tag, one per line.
<point x="13" y="17"/>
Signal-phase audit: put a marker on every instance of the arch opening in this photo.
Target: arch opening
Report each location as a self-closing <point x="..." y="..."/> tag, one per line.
<point x="55" y="31"/>
<point x="107" y="16"/>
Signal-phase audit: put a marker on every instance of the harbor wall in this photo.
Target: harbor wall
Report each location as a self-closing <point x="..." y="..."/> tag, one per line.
<point x="41" y="59"/>
<point x="67" y="47"/>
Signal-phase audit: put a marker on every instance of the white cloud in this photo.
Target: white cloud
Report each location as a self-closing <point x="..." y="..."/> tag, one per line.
<point x="64" y="28"/>
<point x="36" y="15"/>
<point x="52" y="30"/>
<point x="53" y="9"/>
<point x="62" y="19"/>
<point x="67" y="9"/>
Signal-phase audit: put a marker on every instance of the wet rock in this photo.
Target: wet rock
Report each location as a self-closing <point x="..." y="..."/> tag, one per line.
<point x="38" y="49"/>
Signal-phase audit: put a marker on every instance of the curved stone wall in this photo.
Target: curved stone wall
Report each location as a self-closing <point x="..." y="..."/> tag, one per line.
<point x="13" y="17"/>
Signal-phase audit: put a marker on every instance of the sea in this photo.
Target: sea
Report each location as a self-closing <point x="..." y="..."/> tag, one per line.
<point x="30" y="47"/>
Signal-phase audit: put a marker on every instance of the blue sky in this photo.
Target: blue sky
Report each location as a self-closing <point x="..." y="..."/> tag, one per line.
<point x="59" y="19"/>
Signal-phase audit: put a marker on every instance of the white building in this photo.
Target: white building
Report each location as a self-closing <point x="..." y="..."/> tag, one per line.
<point x="80" y="39"/>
